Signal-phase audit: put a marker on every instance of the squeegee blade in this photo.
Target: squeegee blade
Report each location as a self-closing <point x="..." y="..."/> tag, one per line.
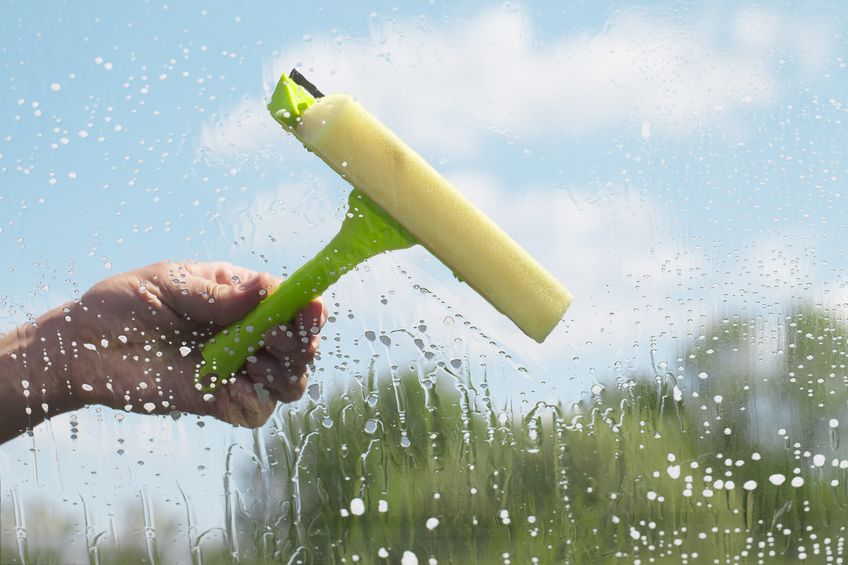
<point x="302" y="81"/>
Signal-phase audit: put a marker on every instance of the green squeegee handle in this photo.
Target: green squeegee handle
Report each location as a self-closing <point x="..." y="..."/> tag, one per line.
<point x="365" y="232"/>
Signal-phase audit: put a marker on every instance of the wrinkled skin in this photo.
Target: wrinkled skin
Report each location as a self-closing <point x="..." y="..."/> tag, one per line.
<point x="152" y="320"/>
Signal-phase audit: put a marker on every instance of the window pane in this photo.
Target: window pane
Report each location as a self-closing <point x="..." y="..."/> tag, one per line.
<point x="678" y="168"/>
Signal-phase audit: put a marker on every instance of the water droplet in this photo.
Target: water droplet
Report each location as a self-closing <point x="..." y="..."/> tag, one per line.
<point x="370" y="426"/>
<point x="777" y="479"/>
<point x="357" y="507"/>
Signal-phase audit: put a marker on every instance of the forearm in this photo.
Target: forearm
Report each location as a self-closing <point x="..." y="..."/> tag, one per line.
<point x="34" y="375"/>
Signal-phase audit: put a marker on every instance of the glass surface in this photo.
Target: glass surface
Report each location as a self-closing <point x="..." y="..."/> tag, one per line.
<point x="678" y="166"/>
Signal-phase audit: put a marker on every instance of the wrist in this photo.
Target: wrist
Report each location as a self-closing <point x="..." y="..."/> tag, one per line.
<point x="45" y="355"/>
<point x="34" y="382"/>
<point x="15" y="380"/>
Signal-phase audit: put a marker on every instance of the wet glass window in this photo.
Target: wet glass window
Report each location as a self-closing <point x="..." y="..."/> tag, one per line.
<point x="180" y="182"/>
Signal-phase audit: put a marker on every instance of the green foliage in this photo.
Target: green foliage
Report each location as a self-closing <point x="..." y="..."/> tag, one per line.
<point x="629" y="476"/>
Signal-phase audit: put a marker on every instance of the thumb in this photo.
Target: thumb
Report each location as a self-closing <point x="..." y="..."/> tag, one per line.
<point x="206" y="301"/>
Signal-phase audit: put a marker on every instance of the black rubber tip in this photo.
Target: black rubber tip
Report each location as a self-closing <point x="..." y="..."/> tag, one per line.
<point x="301" y="80"/>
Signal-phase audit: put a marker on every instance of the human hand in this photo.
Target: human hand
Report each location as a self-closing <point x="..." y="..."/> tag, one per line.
<point x="135" y="342"/>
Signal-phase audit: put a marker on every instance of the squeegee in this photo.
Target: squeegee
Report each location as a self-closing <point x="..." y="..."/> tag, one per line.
<point x="398" y="200"/>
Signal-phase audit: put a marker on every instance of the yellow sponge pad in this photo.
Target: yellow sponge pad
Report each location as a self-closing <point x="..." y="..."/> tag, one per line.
<point x="401" y="182"/>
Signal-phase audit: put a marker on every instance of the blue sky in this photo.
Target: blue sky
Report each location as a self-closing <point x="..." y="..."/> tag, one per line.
<point x="670" y="164"/>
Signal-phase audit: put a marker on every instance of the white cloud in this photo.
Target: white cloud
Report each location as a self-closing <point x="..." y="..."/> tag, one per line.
<point x="808" y="40"/>
<point x="243" y="132"/>
<point x="781" y="266"/>
<point x="306" y="209"/>
<point x="491" y="72"/>
<point x="609" y="250"/>
<point x="756" y="28"/>
<point x="444" y="88"/>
